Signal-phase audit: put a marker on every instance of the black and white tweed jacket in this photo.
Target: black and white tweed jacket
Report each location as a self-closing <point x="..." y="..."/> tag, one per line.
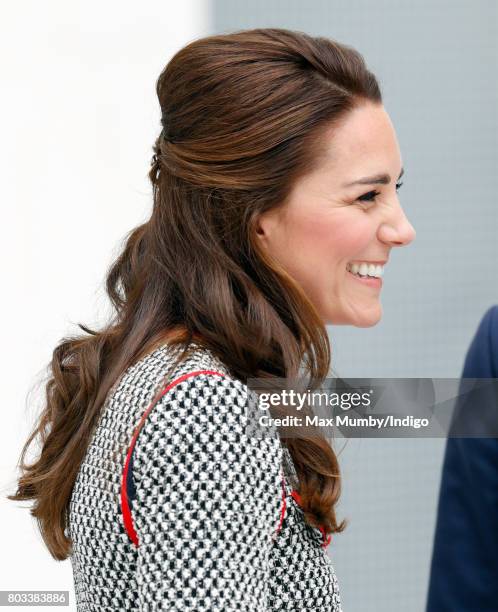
<point x="175" y="507"/>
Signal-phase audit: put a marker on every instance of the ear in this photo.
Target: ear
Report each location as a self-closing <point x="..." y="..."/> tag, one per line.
<point x="266" y="225"/>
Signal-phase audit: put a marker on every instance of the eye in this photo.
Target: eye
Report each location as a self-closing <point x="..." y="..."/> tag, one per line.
<point x="371" y="195"/>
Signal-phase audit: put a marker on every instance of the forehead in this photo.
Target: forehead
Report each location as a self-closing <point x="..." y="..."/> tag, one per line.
<point x="363" y="143"/>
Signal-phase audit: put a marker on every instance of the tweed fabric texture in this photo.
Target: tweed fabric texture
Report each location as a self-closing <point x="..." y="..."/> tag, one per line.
<point x="216" y="531"/>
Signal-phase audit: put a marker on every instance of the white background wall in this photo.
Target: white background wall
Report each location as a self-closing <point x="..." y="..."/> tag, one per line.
<point x="79" y="115"/>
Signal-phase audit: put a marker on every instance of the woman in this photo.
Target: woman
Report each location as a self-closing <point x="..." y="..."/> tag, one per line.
<point x="275" y="208"/>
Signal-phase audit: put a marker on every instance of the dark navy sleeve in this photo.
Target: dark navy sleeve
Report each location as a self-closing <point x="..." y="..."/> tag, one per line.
<point x="464" y="568"/>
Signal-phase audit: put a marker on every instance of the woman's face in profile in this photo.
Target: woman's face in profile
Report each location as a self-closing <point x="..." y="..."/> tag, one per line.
<point x="331" y="221"/>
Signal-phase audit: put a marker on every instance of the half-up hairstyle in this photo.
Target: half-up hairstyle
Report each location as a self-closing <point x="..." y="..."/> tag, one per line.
<point x="243" y="115"/>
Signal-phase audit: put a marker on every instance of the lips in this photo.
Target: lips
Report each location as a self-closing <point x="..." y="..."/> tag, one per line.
<point x="380" y="262"/>
<point x="367" y="280"/>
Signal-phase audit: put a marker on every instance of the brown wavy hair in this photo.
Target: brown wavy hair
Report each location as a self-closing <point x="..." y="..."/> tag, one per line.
<point x="243" y="116"/>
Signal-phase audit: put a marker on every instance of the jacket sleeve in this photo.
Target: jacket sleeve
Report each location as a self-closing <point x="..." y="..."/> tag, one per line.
<point x="464" y="569"/>
<point x="208" y="504"/>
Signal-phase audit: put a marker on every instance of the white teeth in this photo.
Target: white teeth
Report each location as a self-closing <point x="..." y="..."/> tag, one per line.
<point x="365" y="269"/>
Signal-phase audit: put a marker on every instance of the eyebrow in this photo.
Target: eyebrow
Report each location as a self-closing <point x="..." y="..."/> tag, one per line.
<point x="378" y="179"/>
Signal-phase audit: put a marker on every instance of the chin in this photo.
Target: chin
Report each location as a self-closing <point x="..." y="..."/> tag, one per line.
<point x="356" y="320"/>
<point x="369" y="323"/>
<point x="370" y="320"/>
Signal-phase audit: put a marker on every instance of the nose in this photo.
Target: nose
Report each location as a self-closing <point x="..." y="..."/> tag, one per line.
<point x="397" y="231"/>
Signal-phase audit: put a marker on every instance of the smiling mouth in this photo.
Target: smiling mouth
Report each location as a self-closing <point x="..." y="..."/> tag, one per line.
<point x="369" y="271"/>
<point x="371" y="281"/>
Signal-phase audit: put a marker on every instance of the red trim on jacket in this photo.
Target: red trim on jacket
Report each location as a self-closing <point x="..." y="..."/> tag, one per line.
<point x="326" y="538"/>
<point x="284" y="506"/>
<point x="125" y="506"/>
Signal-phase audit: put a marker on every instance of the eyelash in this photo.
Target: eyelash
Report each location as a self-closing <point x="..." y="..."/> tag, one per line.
<point x="371" y="195"/>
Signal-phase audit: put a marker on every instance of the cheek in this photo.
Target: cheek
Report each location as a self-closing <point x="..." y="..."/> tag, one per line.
<point x="321" y="242"/>
<point x="350" y="237"/>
